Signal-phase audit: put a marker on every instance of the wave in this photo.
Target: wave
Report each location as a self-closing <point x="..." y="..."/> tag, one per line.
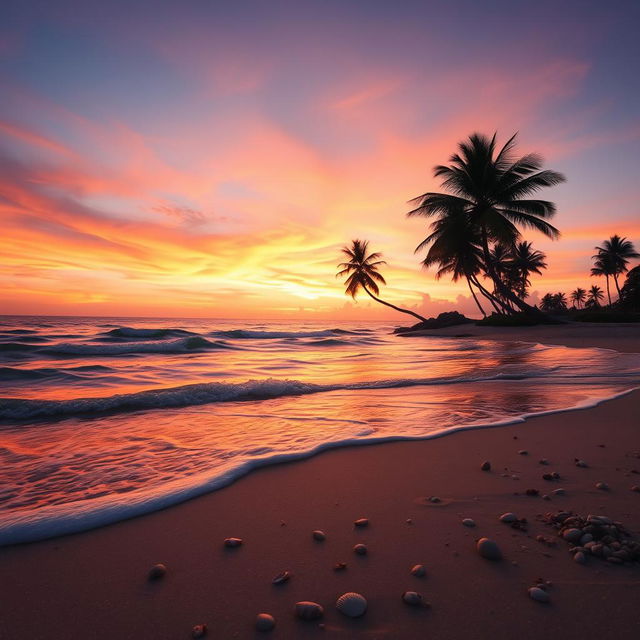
<point x="17" y="346"/>
<point x="20" y="409"/>
<point x="11" y="374"/>
<point x="182" y="345"/>
<point x="132" y="332"/>
<point x="249" y="334"/>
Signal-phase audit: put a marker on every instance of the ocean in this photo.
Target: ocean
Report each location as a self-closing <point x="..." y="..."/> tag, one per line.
<point x="103" y="419"/>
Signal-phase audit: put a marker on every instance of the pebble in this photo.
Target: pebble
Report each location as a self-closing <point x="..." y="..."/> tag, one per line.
<point x="282" y="577"/>
<point x="558" y="492"/>
<point x="523" y="452"/>
<point x="361" y="522"/>
<point x="543" y="461"/>
<point x="546" y="497"/>
<point x="508" y="517"/>
<point x="265" y="622"/>
<point x="488" y="549"/>
<point x="339" y="566"/>
<point x="360" y="549"/>
<point x="412" y="598"/>
<point x="486" y="466"/>
<point x="199" y="631"/>
<point x="307" y="610"/>
<point x="157" y="571"/>
<point x="603" y="486"/>
<point x="538" y="594"/>
<point x="418" y="570"/>
<point x="468" y="522"/>
<point x="581" y="463"/>
<point x="319" y="535"/>
<point x="572" y="535"/>
<point x="434" y="499"/>
<point x="232" y="542"/>
<point x="635" y="488"/>
<point x="580" y="558"/>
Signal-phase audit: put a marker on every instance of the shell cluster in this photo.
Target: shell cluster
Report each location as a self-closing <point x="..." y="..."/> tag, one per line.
<point x="597" y="536"/>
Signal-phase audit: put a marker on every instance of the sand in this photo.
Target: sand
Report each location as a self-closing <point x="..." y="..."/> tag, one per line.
<point x="94" y="584"/>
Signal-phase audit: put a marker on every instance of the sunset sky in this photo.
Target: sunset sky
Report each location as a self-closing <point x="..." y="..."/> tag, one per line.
<point x="210" y="158"/>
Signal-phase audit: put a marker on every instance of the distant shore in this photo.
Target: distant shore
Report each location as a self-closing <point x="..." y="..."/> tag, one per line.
<point x="94" y="584"/>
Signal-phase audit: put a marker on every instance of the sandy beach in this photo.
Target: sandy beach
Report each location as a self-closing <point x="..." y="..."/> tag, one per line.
<point x="94" y="584"/>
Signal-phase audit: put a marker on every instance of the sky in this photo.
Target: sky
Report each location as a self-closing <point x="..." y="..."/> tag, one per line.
<point x="210" y="159"/>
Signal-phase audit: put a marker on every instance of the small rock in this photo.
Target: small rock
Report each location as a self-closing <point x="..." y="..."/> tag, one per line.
<point x="488" y="549"/>
<point x="282" y="577"/>
<point x="538" y="594"/>
<point x="361" y="522"/>
<point x="157" y="571"/>
<point x="581" y="463"/>
<point x="409" y="521"/>
<point x="546" y="497"/>
<point x="306" y="610"/>
<point x="580" y="558"/>
<point x="603" y="486"/>
<point x="543" y="461"/>
<point x="523" y="452"/>
<point x="508" y="517"/>
<point x="418" y="570"/>
<point x="468" y="522"/>
<point x="532" y="492"/>
<point x="319" y="535"/>
<point x="559" y="492"/>
<point x="232" y="542"/>
<point x="199" y="631"/>
<point x="486" y="466"/>
<point x="360" y="549"/>
<point x="572" y="535"/>
<point x="635" y="488"/>
<point x="339" y="566"/>
<point x="413" y="598"/>
<point x="265" y="622"/>
<point x="434" y="499"/>
<point x="586" y="539"/>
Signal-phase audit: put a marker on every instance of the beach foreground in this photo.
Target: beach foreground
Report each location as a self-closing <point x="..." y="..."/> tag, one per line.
<point x="94" y="585"/>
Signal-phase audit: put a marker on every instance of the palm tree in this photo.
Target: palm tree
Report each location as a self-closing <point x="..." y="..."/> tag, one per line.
<point x="491" y="187"/>
<point x="454" y="246"/>
<point x="618" y="252"/>
<point x="594" y="296"/>
<point x="362" y="268"/>
<point x="578" y="296"/>
<point x="525" y="261"/>
<point x="603" y="266"/>
<point x="560" y="301"/>
<point x="547" y="302"/>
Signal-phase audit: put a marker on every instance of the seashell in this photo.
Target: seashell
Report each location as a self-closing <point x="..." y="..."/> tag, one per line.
<point x="360" y="549"/>
<point x="157" y="571"/>
<point x="559" y="492"/>
<point x="603" y="486"/>
<point x="412" y="598"/>
<point x="468" y="522"/>
<point x="265" y="622"/>
<point x="538" y="594"/>
<point x="523" y="452"/>
<point x="418" y="570"/>
<point x="486" y="466"/>
<point x="339" y="566"/>
<point x="581" y="463"/>
<point x="361" y="522"/>
<point x="319" y="535"/>
<point x="488" y="549"/>
<point x="282" y="577"/>
<point x="232" y="542"/>
<point x="351" y="604"/>
<point x="508" y="517"/>
<point x="199" y="631"/>
<point x="306" y="610"/>
<point x="543" y="461"/>
<point x="435" y="499"/>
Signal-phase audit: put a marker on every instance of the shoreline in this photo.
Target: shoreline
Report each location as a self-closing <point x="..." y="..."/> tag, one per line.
<point x="93" y="584"/>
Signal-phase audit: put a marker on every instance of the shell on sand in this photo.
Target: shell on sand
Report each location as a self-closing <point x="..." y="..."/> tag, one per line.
<point x="412" y="598"/>
<point x="538" y="594"/>
<point x="265" y="622"/>
<point x="468" y="522"/>
<point x="318" y="535"/>
<point x="157" y="571"/>
<point x="307" y="610"/>
<point x="418" y="570"/>
<point x="488" y="549"/>
<point x="486" y="466"/>
<point x="352" y="604"/>
<point x="508" y="517"/>
<point x="199" y="631"/>
<point x="361" y="522"/>
<point x="232" y="542"/>
<point x="360" y="549"/>
<point x="282" y="577"/>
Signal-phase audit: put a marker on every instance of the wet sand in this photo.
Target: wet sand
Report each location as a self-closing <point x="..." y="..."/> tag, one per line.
<point x="94" y="584"/>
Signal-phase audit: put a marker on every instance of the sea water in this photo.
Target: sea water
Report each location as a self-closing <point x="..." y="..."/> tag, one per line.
<point x="103" y="419"/>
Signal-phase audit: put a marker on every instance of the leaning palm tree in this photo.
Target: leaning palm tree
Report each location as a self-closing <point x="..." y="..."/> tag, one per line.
<point x="594" y="296"/>
<point x="618" y="252"/>
<point x="578" y="296"/>
<point x="362" y="268"/>
<point x="603" y="266"/>
<point x="524" y="262"/>
<point x="492" y="187"/>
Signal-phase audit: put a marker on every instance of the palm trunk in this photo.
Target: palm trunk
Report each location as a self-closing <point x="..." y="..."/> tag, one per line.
<point x="608" y="292"/>
<point x="504" y="291"/>
<point x="393" y="306"/>
<point x="615" y="279"/>
<point x="489" y="296"/>
<point x="473" y="293"/>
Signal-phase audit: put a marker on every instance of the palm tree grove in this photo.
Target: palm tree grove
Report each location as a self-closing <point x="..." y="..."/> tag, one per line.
<point x="488" y="201"/>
